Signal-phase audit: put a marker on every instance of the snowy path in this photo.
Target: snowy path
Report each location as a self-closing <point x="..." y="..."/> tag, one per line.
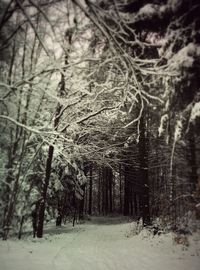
<point x="97" y="246"/>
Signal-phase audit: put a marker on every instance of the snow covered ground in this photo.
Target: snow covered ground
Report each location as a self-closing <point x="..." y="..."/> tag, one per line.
<point x="100" y="244"/>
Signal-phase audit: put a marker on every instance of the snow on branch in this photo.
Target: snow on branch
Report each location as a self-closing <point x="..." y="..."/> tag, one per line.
<point x="195" y="111"/>
<point x="87" y="117"/>
<point x="30" y="129"/>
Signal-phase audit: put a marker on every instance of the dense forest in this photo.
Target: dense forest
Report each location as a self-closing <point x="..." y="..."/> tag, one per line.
<point x="99" y="112"/>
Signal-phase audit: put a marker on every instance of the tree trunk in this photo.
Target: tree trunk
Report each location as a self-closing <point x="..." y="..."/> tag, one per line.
<point x="90" y="192"/>
<point x="58" y="115"/>
<point x="143" y="156"/>
<point x="110" y="190"/>
<point x="135" y="204"/>
<point x="120" y="190"/>
<point x="99" y="192"/>
<point x="103" y="191"/>
<point x="126" y="191"/>
<point x="13" y="198"/>
<point x="44" y="195"/>
<point x="106" y="190"/>
<point x="81" y="204"/>
<point x="192" y="158"/>
<point x="20" y="228"/>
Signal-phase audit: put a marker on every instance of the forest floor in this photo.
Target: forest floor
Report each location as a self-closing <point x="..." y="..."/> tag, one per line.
<point x="99" y="244"/>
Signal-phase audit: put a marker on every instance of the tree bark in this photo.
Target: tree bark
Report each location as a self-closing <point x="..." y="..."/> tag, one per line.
<point x="44" y="195"/>
<point x="192" y="159"/>
<point x="126" y="191"/>
<point x="120" y="190"/>
<point x="90" y="192"/>
<point x="144" y="177"/>
<point x="110" y="182"/>
<point x="99" y="192"/>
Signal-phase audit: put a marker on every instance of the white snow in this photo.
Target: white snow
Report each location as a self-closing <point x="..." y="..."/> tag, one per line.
<point x="185" y="57"/>
<point x="174" y="4"/>
<point x="163" y="121"/>
<point x="178" y="130"/>
<point x="148" y="11"/>
<point x="195" y="111"/>
<point x="100" y="244"/>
